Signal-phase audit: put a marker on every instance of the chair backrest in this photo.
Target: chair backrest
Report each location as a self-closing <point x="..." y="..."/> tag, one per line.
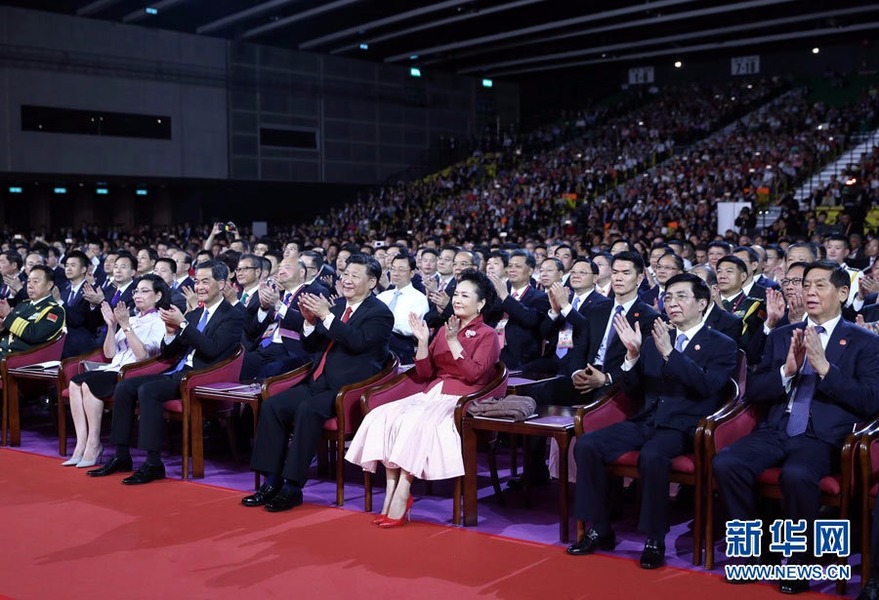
<point x="402" y="385"/>
<point x="348" y="410"/>
<point x="612" y="407"/>
<point x="43" y="353"/>
<point x="284" y="381"/>
<point x="228" y="369"/>
<point x="741" y="372"/>
<point x="149" y="366"/>
<point x="74" y="366"/>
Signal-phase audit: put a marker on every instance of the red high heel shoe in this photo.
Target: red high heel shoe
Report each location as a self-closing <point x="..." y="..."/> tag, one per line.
<point x="380" y="519"/>
<point x="407" y="516"/>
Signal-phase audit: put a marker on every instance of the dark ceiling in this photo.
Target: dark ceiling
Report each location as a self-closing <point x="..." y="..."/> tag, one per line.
<point x="499" y="38"/>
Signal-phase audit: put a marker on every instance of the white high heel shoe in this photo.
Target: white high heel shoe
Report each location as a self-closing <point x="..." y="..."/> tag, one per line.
<point x="72" y="461"/>
<point x="82" y="464"/>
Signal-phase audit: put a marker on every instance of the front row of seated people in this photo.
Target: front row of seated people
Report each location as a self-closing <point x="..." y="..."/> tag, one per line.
<point x="819" y="376"/>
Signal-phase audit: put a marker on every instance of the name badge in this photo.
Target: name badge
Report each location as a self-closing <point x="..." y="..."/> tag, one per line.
<point x="566" y="338"/>
<point x="501" y="333"/>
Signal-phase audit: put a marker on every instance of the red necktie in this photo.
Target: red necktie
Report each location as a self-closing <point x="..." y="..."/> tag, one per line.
<point x="323" y="359"/>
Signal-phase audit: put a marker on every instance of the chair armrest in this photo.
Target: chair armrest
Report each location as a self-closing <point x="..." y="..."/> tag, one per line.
<point x="228" y="369"/>
<point x="495" y="388"/>
<point x="284" y="381"/>
<point x="612" y="407"/>
<point x="73" y="366"/>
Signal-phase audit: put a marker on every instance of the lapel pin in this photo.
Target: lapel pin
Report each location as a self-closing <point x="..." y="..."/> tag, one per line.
<point x="637" y="315"/>
<point x="698" y="347"/>
<point x="842" y="342"/>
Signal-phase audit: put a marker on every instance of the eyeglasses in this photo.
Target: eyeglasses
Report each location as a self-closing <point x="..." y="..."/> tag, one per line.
<point x="678" y="298"/>
<point x="794" y="281"/>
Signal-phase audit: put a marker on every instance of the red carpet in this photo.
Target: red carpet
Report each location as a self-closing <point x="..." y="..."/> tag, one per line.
<point x="66" y="535"/>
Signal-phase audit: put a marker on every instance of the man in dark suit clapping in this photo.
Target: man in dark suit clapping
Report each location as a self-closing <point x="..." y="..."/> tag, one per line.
<point x="351" y="339"/>
<point x="820" y="378"/>
<point x="204" y="336"/>
<point x="680" y="373"/>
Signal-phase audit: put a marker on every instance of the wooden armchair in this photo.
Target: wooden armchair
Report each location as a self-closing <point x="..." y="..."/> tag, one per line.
<point x="404" y="385"/>
<point x="228" y="369"/>
<point x="735" y="422"/>
<point x="686" y="469"/>
<point x="341" y="428"/>
<point x="69" y="368"/>
<point x="227" y="393"/>
<point x="868" y="464"/>
<point x="11" y="422"/>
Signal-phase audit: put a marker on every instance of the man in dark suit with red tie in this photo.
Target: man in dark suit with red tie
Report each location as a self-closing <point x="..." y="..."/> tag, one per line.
<point x="819" y="379"/>
<point x="680" y="373"/>
<point x="203" y="337"/>
<point x="351" y="339"/>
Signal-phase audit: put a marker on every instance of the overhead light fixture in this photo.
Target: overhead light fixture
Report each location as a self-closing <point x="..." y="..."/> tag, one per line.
<point x="60" y="190"/>
<point x="15" y="190"/>
<point x="678" y="64"/>
<point x="487" y="83"/>
<point x="151" y="11"/>
<point x="413" y="57"/>
<point x="816" y="50"/>
<point x="141" y="192"/>
<point x="415" y="72"/>
<point x="102" y="191"/>
<point x="364" y="46"/>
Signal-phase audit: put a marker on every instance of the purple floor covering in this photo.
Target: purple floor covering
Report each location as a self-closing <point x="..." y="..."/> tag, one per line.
<point x="534" y="519"/>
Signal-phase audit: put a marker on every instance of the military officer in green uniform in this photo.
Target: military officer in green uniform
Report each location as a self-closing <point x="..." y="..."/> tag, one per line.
<point x="35" y="321"/>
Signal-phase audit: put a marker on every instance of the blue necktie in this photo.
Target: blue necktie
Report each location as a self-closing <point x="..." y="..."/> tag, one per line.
<point x="613" y="332"/>
<point x="798" y="420"/>
<point x="661" y="303"/>
<point x="393" y="304"/>
<point x="202" y="322"/>
<point x="680" y="341"/>
<point x="269" y="333"/>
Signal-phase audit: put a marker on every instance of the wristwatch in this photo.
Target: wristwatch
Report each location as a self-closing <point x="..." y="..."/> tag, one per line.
<point x="183" y="324"/>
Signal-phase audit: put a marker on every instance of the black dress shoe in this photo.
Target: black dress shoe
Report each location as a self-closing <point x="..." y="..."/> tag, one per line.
<point x="793" y="586"/>
<point x="870" y="591"/>
<point x="653" y="555"/>
<point x="591" y="542"/>
<point x="265" y="493"/>
<point x="114" y="465"/>
<point x="145" y="474"/>
<point x="287" y="497"/>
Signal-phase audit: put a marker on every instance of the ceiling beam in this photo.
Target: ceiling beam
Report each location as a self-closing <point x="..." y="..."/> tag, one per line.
<point x="137" y="15"/>
<point x="300" y="16"/>
<point x="619" y="12"/>
<point x="439" y="23"/>
<point x="693" y="35"/>
<point x="648" y="22"/>
<point x="243" y="14"/>
<point x="683" y="50"/>
<point x="96" y="6"/>
<point x="425" y="10"/>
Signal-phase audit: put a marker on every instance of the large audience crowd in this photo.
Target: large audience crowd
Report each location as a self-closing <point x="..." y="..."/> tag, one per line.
<point x="595" y="261"/>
